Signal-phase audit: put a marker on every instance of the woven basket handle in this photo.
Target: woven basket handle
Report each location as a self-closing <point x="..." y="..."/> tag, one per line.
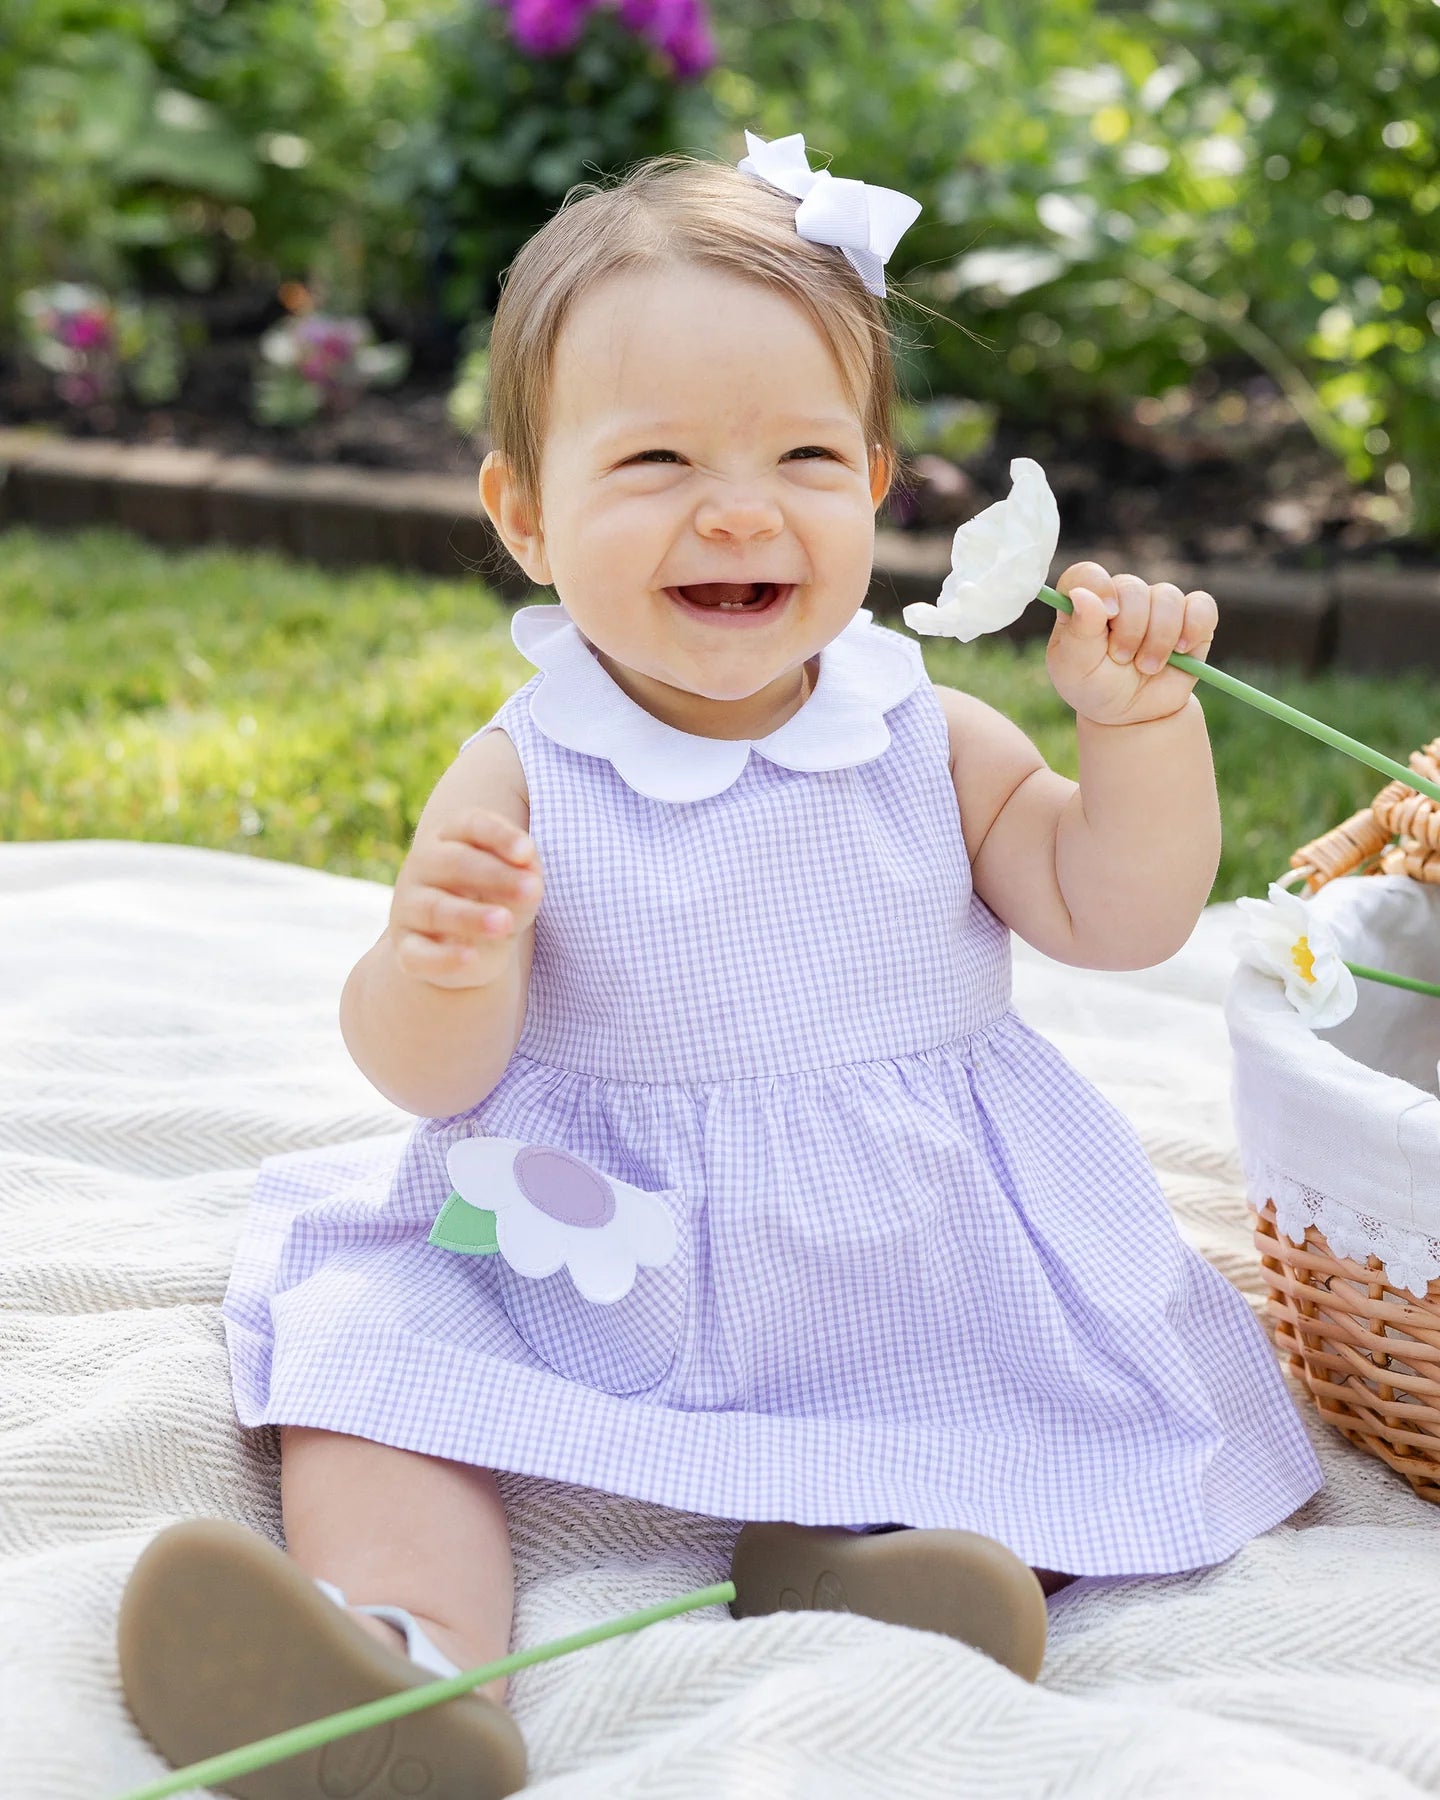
<point x="1358" y="841"/>
<point x="1364" y="842"/>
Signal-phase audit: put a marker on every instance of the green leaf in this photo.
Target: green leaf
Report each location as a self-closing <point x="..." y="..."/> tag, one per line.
<point x="465" y="1228"/>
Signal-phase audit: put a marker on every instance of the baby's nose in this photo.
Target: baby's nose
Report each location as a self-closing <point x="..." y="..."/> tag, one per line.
<point x="741" y="513"/>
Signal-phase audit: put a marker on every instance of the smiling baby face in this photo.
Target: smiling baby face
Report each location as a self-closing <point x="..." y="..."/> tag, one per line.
<point x="699" y="434"/>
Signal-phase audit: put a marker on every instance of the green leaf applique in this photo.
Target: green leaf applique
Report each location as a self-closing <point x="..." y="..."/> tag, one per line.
<point x="466" y="1228"/>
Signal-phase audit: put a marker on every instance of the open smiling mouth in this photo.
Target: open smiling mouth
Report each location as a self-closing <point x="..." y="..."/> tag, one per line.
<point x="731" y="600"/>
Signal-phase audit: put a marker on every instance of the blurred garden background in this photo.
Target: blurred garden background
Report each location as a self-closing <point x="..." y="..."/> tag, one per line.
<point x="1186" y="253"/>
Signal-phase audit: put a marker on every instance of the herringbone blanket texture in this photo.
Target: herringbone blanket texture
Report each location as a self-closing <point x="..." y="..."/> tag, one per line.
<point x="168" y="1018"/>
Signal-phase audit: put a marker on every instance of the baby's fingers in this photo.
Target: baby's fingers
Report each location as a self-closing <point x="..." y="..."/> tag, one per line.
<point x="1092" y="615"/>
<point x="486" y="830"/>
<point x="434" y="913"/>
<point x="1092" y="575"/>
<point x="442" y="964"/>
<point x="1201" y="618"/>
<point x="1163" y="629"/>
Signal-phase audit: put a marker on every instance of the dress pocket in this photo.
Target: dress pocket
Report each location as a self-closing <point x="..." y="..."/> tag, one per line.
<point x="625" y="1346"/>
<point x="592" y="1273"/>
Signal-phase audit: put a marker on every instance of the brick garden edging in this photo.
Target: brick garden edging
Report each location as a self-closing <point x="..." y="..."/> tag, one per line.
<point x="1360" y="618"/>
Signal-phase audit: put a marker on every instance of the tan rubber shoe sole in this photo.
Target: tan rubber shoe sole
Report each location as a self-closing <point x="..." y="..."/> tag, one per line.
<point x="223" y="1639"/>
<point x="958" y="1583"/>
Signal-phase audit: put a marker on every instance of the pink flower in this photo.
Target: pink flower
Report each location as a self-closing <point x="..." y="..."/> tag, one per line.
<point x="693" y="50"/>
<point x="543" y="27"/>
<point x="678" y="28"/>
<point x="86" y="331"/>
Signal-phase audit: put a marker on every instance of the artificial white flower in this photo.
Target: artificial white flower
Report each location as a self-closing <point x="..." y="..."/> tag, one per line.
<point x="553" y="1211"/>
<point x="1285" y="938"/>
<point x="998" y="561"/>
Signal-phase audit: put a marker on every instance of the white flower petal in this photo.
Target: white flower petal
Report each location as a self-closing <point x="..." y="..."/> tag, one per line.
<point x="482" y="1171"/>
<point x="532" y="1242"/>
<point x="1273" y="928"/>
<point x="601" y="1259"/>
<point x="645" y="1223"/>
<point x="1330" y="1001"/>
<point x="999" y="561"/>
<point x="928" y="620"/>
<point x="604" y="1268"/>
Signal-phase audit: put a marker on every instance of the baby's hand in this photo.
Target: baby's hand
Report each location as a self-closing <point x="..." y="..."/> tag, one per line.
<point x="462" y="898"/>
<point x="1109" y="658"/>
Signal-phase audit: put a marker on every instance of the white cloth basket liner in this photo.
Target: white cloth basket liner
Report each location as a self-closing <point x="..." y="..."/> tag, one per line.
<point x="1341" y="1128"/>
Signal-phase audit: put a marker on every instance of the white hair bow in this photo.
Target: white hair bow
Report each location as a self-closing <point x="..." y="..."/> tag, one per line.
<point x="865" y="222"/>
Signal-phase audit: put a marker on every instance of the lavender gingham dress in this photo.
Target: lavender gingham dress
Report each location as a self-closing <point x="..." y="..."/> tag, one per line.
<point x="765" y="994"/>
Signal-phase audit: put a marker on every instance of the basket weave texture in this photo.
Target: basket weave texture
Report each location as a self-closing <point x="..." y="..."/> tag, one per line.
<point x="1369" y="1356"/>
<point x="1397" y="834"/>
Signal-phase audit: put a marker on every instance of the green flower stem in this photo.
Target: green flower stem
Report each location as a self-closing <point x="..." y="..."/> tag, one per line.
<point x="248" y="1757"/>
<point x="1400" y="981"/>
<point x="1277" y="709"/>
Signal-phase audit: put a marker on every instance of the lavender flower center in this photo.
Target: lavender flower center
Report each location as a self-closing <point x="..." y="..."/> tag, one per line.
<point x="562" y="1187"/>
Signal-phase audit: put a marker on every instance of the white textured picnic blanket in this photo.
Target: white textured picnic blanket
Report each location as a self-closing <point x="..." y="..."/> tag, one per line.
<point x="168" y="1018"/>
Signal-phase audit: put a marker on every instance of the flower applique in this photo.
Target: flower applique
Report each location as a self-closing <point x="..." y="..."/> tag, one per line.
<point x="543" y="1209"/>
<point x="1285" y="938"/>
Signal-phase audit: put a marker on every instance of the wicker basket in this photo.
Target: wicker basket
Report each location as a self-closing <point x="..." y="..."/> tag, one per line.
<point x="1366" y="1347"/>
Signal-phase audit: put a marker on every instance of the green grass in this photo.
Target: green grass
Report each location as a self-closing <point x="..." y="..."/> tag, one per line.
<point x="241" y="702"/>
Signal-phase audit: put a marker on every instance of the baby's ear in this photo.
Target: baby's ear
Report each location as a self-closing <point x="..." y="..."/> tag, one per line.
<point x="515" y="522"/>
<point x="881" y="474"/>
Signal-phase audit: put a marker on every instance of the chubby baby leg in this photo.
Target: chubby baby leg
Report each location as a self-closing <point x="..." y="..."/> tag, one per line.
<point x="393" y="1527"/>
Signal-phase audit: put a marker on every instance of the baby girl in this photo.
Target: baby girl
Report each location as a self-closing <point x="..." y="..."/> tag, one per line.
<point x="737" y="1185"/>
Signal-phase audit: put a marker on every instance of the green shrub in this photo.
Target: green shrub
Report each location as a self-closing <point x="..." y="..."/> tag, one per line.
<point x="512" y="133"/>
<point x="1116" y="196"/>
<point x="193" y="145"/>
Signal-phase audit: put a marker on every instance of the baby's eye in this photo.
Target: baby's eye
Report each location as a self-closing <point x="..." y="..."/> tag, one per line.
<point x="807" y="450"/>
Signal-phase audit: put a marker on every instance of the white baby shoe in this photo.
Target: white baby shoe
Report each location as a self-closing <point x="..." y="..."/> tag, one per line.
<point x="418" y="1646"/>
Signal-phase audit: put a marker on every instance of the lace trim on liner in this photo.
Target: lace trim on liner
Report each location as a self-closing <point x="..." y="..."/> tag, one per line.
<point x="1410" y="1259"/>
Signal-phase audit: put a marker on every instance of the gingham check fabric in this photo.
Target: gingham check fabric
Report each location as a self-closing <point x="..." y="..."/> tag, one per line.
<point x="897" y="1296"/>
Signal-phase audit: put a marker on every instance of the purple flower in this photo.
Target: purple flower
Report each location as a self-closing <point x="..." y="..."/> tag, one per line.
<point x="543" y="27"/>
<point x="693" y="50"/>
<point x="668" y="20"/>
<point x="85" y="331"/>
<point x="678" y="28"/>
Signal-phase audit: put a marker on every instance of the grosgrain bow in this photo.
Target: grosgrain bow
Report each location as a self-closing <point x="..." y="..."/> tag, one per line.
<point x="864" y="221"/>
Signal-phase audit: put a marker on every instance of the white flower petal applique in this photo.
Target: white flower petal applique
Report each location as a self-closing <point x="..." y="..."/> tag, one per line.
<point x="1285" y="938"/>
<point x="998" y="561"/>
<point x="543" y="1209"/>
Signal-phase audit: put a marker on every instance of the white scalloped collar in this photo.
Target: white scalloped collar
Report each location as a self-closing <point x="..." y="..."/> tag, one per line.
<point x="864" y="672"/>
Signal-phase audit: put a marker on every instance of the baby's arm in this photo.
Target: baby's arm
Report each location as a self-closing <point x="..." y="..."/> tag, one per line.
<point x="1111" y="873"/>
<point x="432" y="1012"/>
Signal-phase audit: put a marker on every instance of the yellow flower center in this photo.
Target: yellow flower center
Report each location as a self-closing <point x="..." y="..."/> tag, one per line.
<point x="1304" y="961"/>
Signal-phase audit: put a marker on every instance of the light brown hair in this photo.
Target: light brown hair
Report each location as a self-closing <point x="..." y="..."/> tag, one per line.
<point x="668" y="210"/>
